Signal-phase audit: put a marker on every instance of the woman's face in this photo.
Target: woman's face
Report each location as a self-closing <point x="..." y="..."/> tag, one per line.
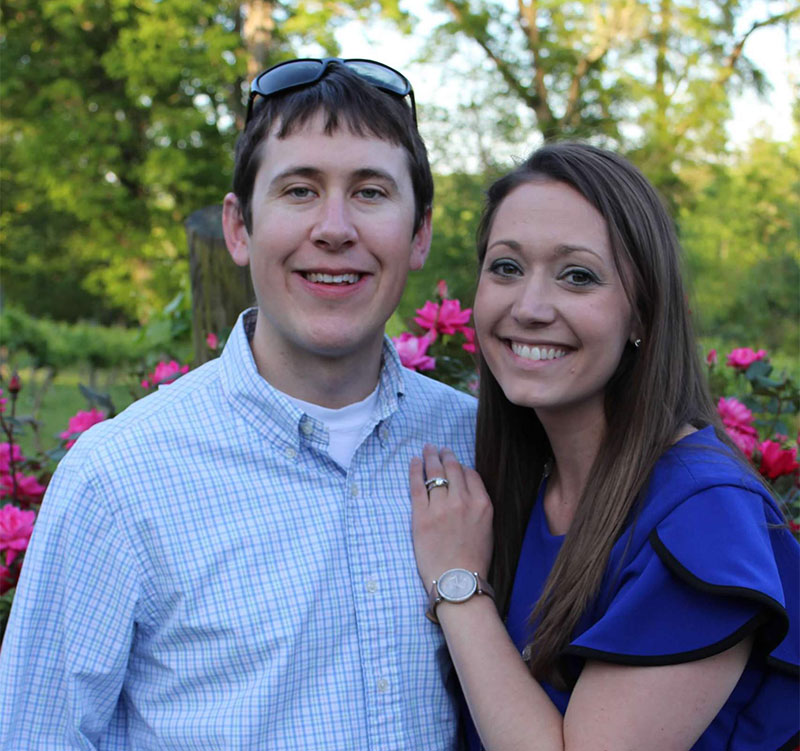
<point x="551" y="313"/>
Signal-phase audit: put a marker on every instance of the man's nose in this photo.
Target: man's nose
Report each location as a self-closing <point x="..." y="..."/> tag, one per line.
<point x="334" y="228"/>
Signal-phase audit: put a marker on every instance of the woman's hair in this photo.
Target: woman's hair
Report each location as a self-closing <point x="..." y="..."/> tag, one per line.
<point x="655" y="391"/>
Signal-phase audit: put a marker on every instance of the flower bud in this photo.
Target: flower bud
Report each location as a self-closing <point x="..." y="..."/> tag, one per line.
<point x="14" y="384"/>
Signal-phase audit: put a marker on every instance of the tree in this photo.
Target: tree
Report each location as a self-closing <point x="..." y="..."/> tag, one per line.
<point x="119" y="121"/>
<point x="652" y="77"/>
<point x="742" y="237"/>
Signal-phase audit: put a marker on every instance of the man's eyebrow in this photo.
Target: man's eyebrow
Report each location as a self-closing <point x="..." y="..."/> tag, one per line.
<point x="365" y="173"/>
<point x="375" y="173"/>
<point x="297" y="171"/>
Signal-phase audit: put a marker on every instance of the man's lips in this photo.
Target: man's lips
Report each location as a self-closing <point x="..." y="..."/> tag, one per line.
<point x="330" y="284"/>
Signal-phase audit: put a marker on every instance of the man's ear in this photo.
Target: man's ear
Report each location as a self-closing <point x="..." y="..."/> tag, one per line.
<point x="237" y="238"/>
<point x="421" y="243"/>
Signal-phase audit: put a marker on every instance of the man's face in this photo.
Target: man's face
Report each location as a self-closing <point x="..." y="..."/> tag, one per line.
<point x="331" y="243"/>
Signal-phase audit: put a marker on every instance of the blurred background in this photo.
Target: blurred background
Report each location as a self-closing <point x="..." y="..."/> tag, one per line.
<point x="119" y="119"/>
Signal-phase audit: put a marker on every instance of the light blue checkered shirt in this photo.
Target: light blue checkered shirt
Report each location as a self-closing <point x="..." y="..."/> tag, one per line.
<point x="202" y="576"/>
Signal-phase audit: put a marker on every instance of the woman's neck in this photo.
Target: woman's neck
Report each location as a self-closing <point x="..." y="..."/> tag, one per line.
<point x="575" y="444"/>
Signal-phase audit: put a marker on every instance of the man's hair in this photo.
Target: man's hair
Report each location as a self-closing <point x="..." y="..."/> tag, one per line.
<point x="656" y="390"/>
<point x="346" y="101"/>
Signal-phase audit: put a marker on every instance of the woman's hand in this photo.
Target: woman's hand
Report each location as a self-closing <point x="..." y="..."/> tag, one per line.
<point x="452" y="526"/>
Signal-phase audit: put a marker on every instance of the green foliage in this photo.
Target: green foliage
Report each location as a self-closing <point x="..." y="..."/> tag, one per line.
<point x="58" y="345"/>
<point x="457" y="209"/>
<point x="168" y="334"/>
<point x="742" y="237"/>
<point x="653" y="79"/>
<point x="119" y="120"/>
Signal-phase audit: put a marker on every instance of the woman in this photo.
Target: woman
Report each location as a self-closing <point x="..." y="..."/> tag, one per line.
<point x="648" y="585"/>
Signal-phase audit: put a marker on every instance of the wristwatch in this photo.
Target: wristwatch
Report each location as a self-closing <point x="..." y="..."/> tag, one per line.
<point x="456" y="585"/>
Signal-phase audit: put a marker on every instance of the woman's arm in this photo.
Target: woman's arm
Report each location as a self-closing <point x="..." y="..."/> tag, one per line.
<point x="612" y="707"/>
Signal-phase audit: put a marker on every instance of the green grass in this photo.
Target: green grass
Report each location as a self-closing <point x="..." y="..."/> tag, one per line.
<point x="61" y="400"/>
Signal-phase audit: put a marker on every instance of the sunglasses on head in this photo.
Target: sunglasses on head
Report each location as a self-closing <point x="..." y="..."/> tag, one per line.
<point x="294" y="74"/>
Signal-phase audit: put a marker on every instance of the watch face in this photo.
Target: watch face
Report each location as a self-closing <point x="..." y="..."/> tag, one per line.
<point x="457" y="585"/>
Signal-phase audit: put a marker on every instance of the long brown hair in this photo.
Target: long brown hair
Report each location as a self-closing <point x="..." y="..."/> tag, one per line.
<point x="655" y="391"/>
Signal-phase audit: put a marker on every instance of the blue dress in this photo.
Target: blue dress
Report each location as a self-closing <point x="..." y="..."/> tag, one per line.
<point x="700" y="568"/>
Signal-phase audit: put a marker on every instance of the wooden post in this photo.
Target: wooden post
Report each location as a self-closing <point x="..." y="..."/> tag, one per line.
<point x="220" y="289"/>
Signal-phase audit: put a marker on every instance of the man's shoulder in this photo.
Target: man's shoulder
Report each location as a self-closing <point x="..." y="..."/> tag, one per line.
<point x="156" y="420"/>
<point x="423" y="389"/>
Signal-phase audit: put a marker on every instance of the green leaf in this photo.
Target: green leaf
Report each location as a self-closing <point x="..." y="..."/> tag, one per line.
<point x="758" y="370"/>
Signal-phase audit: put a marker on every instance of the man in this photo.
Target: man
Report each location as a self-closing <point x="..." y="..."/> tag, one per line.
<point x="228" y="564"/>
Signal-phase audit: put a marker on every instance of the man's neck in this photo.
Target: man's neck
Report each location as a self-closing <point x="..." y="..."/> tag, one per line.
<point x="331" y="382"/>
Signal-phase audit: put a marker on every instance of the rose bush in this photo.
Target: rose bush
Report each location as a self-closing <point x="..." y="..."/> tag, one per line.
<point x="441" y="341"/>
<point x="760" y="420"/>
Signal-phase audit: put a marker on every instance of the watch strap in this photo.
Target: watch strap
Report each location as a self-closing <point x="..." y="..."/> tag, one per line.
<point x="434" y="598"/>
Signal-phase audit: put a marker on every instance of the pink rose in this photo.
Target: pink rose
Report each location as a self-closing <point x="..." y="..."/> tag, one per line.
<point x="452" y="318"/>
<point x="776" y="460"/>
<point x="427" y="316"/>
<point x="79" y="422"/>
<point x="212" y="340"/>
<point x="738" y="422"/>
<point x="2" y="403"/>
<point x="744" y="357"/>
<point x="7" y="454"/>
<point x="28" y="488"/>
<point x="733" y="412"/>
<point x="165" y="372"/>
<point x="412" y="351"/>
<point x="711" y="357"/>
<point x="447" y="318"/>
<point x="16" y="527"/>
<point x="469" y="335"/>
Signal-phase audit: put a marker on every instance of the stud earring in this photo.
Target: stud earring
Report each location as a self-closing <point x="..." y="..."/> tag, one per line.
<point x="637" y="343"/>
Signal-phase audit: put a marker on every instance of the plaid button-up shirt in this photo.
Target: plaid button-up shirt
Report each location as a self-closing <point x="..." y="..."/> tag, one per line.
<point x="203" y="576"/>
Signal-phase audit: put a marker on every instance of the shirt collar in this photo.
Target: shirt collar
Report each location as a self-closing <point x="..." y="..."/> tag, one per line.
<point x="266" y="408"/>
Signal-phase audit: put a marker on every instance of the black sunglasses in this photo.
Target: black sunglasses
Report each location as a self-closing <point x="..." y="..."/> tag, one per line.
<point x="294" y="74"/>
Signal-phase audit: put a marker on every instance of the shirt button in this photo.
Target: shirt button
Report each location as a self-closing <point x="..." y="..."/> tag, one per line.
<point x="307" y="427"/>
<point x="384" y="434"/>
<point x="354" y="491"/>
<point x="290" y="453"/>
<point x="372" y="585"/>
<point x="382" y="685"/>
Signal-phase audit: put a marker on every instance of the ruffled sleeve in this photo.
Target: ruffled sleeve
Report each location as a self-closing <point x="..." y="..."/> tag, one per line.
<point x="714" y="569"/>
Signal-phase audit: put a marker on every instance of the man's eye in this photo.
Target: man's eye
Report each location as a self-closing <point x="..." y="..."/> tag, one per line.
<point x="370" y="193"/>
<point x="299" y="192"/>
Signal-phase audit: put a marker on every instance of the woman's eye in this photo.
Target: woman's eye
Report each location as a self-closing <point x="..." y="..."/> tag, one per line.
<point x="579" y="277"/>
<point x="504" y="267"/>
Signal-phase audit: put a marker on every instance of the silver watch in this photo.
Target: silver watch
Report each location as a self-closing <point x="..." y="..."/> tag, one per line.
<point x="456" y="585"/>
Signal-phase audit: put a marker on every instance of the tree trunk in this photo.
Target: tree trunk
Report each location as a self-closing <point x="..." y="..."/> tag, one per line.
<point x="220" y="289"/>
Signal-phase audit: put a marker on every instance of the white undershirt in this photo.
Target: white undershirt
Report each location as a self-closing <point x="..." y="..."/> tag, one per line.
<point x="345" y="425"/>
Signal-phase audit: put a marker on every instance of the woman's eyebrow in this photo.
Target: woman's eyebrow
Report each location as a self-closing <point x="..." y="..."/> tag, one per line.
<point x="566" y="249"/>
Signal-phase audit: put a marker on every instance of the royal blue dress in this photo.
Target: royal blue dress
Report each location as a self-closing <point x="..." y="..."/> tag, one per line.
<point x="706" y="562"/>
